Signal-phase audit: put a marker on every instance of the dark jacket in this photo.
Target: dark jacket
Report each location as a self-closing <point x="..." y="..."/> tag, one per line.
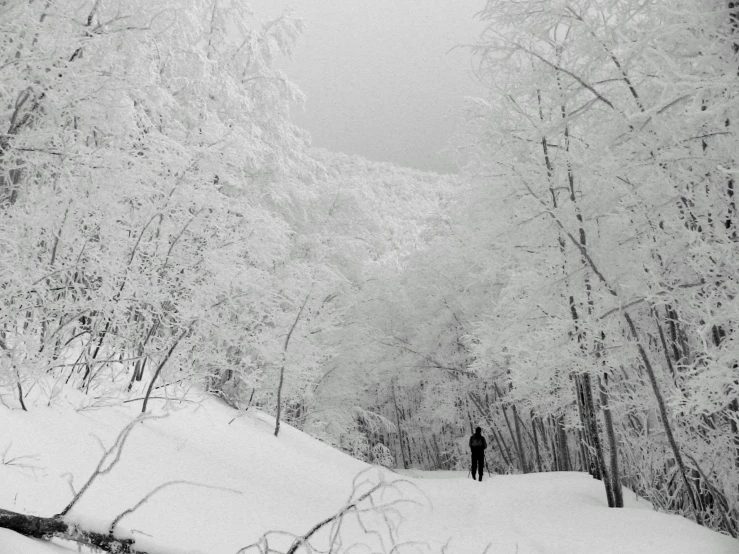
<point x="478" y="444"/>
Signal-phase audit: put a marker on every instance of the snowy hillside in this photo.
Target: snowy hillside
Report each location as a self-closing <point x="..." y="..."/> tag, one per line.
<point x="167" y="225"/>
<point x="244" y="482"/>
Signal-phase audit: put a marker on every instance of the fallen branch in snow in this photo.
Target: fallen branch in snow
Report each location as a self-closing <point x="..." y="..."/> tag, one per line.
<point x="144" y="500"/>
<point x="51" y="527"/>
<point x="16" y="460"/>
<point x="358" y="505"/>
<point x="297" y="543"/>
<point x="56" y="527"/>
<point x="115" y="451"/>
<point x="47" y="528"/>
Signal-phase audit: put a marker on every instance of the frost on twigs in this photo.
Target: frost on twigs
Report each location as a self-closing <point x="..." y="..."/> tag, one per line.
<point x="371" y="516"/>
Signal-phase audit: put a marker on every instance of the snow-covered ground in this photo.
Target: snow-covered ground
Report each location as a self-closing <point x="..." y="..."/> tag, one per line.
<point x="245" y="482"/>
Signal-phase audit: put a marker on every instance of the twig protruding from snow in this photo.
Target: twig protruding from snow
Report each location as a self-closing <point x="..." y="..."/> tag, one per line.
<point x="146" y="498"/>
<point x="373" y="501"/>
<point x="115" y="452"/>
<point x="14" y="461"/>
<point x="297" y="543"/>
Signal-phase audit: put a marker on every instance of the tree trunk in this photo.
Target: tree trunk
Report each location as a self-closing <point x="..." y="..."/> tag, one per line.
<point x="513" y="436"/>
<point x="733" y="419"/>
<point x="564" y="449"/>
<point x="554" y="437"/>
<point x="543" y="442"/>
<point x="536" y="442"/>
<point x="593" y="420"/>
<point x="284" y="362"/>
<point x="502" y="446"/>
<point x="584" y="435"/>
<point x="160" y="367"/>
<point x="584" y="465"/>
<point x="47" y="527"/>
<point x="400" y="430"/>
<point x="665" y="419"/>
<point x="521" y="450"/>
<point x="618" y="497"/>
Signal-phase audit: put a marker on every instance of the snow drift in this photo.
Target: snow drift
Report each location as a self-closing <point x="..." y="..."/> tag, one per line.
<point x="239" y="482"/>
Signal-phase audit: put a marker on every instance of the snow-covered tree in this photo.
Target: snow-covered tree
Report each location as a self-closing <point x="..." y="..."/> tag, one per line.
<point x="608" y="139"/>
<point x="148" y="171"/>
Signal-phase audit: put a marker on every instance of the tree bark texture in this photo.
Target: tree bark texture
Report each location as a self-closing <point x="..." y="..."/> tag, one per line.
<point x="522" y="452"/>
<point x="615" y="476"/>
<point x="536" y="443"/>
<point x="47" y="527"/>
<point x="593" y="421"/>
<point x="564" y="449"/>
<point x="584" y="435"/>
<point x="513" y="437"/>
<point x="400" y="430"/>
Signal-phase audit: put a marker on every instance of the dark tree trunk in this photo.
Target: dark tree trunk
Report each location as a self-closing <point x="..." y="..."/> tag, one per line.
<point x="584" y="465"/>
<point x="564" y="449"/>
<point x="536" y="442"/>
<point x="47" y="527"/>
<point x="513" y="436"/>
<point x="544" y="445"/>
<point x="585" y="442"/>
<point x="507" y="456"/>
<point x="665" y="420"/>
<point x="593" y="421"/>
<point x="733" y="418"/>
<point x="485" y="412"/>
<point x="400" y="429"/>
<point x="554" y="437"/>
<point x="521" y="449"/>
<point x="618" y="497"/>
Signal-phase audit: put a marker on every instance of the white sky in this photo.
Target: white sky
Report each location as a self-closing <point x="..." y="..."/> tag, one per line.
<point x="378" y="77"/>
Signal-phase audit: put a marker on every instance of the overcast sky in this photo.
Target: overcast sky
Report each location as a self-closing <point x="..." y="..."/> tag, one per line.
<point x="378" y="76"/>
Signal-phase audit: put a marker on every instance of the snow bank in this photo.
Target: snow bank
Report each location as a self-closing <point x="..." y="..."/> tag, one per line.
<point x="284" y="483"/>
<point x="562" y="513"/>
<point x="289" y="484"/>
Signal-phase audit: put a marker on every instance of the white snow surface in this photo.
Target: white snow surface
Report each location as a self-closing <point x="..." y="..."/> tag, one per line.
<point x="292" y="482"/>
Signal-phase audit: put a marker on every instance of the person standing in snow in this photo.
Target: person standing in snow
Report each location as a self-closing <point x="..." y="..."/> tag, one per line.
<point x="477" y="448"/>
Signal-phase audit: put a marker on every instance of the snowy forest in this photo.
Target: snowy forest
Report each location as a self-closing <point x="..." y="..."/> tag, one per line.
<point x="166" y="229"/>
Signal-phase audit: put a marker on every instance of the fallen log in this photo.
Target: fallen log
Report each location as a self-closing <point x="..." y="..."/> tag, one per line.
<point x="47" y="528"/>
